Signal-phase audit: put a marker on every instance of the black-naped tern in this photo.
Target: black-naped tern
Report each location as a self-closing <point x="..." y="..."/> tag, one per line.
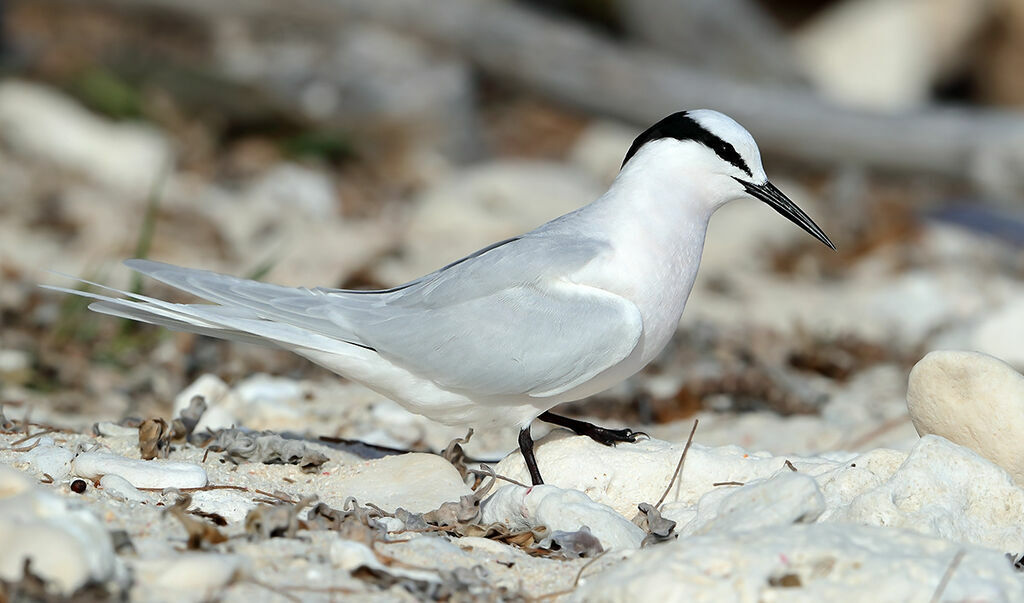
<point x="505" y="334"/>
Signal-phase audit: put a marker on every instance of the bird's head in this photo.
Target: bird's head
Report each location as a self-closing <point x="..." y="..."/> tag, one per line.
<point x="716" y="158"/>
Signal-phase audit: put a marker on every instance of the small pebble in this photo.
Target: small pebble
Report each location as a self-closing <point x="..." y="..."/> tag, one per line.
<point x="118" y="487"/>
<point x="49" y="459"/>
<point x="78" y="486"/>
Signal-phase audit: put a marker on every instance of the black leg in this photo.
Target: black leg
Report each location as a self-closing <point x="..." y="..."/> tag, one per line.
<point x="601" y="435"/>
<point x="526" y="448"/>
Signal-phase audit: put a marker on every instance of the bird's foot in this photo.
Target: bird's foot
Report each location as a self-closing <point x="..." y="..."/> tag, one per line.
<point x="601" y="435"/>
<point x="611" y="437"/>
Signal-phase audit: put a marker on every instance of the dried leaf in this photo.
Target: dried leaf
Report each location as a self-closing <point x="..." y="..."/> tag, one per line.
<point x="185" y="423"/>
<point x="266" y="447"/>
<point x="573" y="545"/>
<point x="154" y="439"/>
<point x="277" y="521"/>
<point x="657" y="527"/>
<point x="352" y="522"/>
<point x="455" y="455"/>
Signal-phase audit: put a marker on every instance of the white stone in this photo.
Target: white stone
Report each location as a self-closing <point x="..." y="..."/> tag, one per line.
<point x="109" y="429"/>
<point x="41" y="123"/>
<point x="1000" y="332"/>
<point x="887" y="54"/>
<point x="14" y="361"/>
<point x="118" y="487"/>
<point x="49" y="459"/>
<point x="626" y="475"/>
<point x="788" y="497"/>
<point x="267" y="402"/>
<point x="974" y="400"/>
<point x="817" y="562"/>
<point x="558" y="509"/>
<point x="291" y="187"/>
<point x="184" y="577"/>
<point x="68" y="547"/>
<point x="417" y="482"/>
<point x="141" y="474"/>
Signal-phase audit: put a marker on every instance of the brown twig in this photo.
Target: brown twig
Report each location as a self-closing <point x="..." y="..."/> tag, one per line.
<point x="34" y="435"/>
<point x="227" y="487"/>
<point x="679" y="465"/>
<point x="506" y="479"/>
<point x="280" y="590"/>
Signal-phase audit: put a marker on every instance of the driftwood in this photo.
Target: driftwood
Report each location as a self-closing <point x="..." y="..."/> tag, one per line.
<point x="731" y="37"/>
<point x="573" y="64"/>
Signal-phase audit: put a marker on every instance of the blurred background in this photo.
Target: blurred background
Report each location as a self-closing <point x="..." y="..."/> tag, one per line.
<point x="360" y="143"/>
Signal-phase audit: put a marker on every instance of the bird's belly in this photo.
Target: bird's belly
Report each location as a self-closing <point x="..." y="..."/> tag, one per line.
<point x="422" y="396"/>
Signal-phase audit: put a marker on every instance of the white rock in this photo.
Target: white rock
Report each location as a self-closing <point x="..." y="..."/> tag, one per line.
<point x="350" y="556"/>
<point x="788" y="497"/>
<point x="50" y="459"/>
<point x="906" y="308"/>
<point x="39" y="122"/>
<point x="109" y="429"/>
<point x="558" y="509"/>
<point x="417" y="482"/>
<point x="118" y="487"/>
<point x="973" y="400"/>
<point x="870" y="470"/>
<point x="141" y="474"/>
<point x="626" y="475"/>
<point x="15" y="366"/>
<point x="184" y="577"/>
<point x="270" y="402"/>
<point x="484" y="204"/>
<point x="999" y="333"/>
<point x="814" y="562"/>
<point x="68" y="547"/>
<point x="220" y="402"/>
<point x="231" y="505"/>
<point x="291" y="187"/>
<point x="887" y="54"/>
<point x="941" y="490"/>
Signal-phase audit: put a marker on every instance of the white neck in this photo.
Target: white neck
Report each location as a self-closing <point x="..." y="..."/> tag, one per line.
<point x="663" y="210"/>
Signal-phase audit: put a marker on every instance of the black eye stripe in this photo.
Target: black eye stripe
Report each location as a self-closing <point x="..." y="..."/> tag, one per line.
<point x="683" y="127"/>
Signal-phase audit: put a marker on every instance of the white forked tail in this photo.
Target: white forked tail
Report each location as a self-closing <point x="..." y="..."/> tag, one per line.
<point x="232" y="322"/>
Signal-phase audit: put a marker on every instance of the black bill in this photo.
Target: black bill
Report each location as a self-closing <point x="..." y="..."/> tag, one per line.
<point x="781" y="203"/>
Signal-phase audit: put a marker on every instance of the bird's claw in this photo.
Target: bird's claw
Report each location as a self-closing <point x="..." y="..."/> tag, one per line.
<point x="611" y="437"/>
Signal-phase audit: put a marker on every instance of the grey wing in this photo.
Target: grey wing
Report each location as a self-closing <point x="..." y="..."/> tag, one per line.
<point x="539" y="340"/>
<point x="508" y="322"/>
